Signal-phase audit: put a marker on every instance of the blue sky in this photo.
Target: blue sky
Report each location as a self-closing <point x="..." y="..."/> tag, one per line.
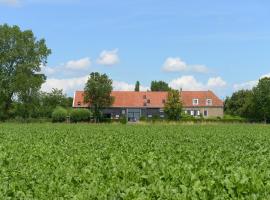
<point x="195" y="45"/>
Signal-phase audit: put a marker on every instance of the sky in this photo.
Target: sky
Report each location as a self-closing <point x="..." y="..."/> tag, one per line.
<point x="214" y="45"/>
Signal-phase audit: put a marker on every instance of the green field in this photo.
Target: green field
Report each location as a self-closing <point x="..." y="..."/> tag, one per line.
<point x="54" y="161"/>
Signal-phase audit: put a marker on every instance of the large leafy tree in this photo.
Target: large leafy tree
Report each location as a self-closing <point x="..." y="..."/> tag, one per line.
<point x="137" y="86"/>
<point x="159" y="86"/>
<point x="239" y="104"/>
<point x="21" y="56"/>
<point x="98" y="93"/>
<point x="173" y="105"/>
<point x="261" y="99"/>
<point x="50" y="100"/>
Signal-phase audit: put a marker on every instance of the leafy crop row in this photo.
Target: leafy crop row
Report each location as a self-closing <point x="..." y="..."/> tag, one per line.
<point x="59" y="161"/>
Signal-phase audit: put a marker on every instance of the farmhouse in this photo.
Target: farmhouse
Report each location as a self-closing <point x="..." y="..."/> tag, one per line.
<point x="148" y="104"/>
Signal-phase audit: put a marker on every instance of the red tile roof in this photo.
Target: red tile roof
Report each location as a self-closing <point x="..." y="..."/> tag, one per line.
<point x="133" y="99"/>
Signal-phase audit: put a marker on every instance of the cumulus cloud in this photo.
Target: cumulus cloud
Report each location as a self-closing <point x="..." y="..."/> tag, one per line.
<point x="68" y="67"/>
<point x="186" y="83"/>
<point x="175" y="64"/>
<point x="70" y="85"/>
<point x="80" y="64"/>
<point x="10" y="2"/>
<point x="124" y="86"/>
<point x="216" y="82"/>
<point x="249" y="84"/>
<point x="191" y="83"/>
<point x="108" y="57"/>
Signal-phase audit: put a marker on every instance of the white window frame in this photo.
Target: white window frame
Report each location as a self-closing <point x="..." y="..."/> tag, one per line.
<point x="192" y="112"/>
<point x="161" y="110"/>
<point x="149" y="116"/>
<point x="209" y="103"/>
<point x="195" y="102"/>
<point x="198" y="113"/>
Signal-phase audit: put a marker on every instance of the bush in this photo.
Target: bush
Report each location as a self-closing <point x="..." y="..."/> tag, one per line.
<point x="80" y="115"/>
<point x="123" y="120"/>
<point x="59" y="114"/>
<point x="143" y="118"/>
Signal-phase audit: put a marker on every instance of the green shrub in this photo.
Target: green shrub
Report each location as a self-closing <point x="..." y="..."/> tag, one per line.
<point x="59" y="114"/>
<point x="123" y="120"/>
<point x="80" y="115"/>
<point x="142" y="118"/>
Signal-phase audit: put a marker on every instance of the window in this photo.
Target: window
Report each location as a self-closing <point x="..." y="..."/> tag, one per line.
<point x="149" y="116"/>
<point x="192" y="112"/>
<point x="161" y="110"/>
<point x="123" y="112"/>
<point x="205" y="113"/>
<point x="148" y="101"/>
<point x="117" y="116"/>
<point x="209" y="102"/>
<point x="198" y="113"/>
<point x="79" y="103"/>
<point x="161" y="116"/>
<point x="195" y="102"/>
<point x="186" y="112"/>
<point x="144" y="96"/>
<point x="163" y="101"/>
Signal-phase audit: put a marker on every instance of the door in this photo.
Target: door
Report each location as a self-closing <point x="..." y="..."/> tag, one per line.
<point x="134" y="114"/>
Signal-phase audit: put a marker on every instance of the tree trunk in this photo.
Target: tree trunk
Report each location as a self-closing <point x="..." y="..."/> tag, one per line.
<point x="7" y="105"/>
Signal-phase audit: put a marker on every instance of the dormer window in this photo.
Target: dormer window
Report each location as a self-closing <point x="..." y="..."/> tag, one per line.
<point x="163" y="101"/>
<point x="209" y="102"/>
<point x="144" y="96"/>
<point x="195" y="102"/>
<point x="148" y="101"/>
<point x="79" y="103"/>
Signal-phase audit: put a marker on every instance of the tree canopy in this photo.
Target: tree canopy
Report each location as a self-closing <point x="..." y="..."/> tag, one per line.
<point x="98" y="93"/>
<point x="137" y="86"/>
<point x="173" y="105"/>
<point x="252" y="104"/>
<point x="159" y="86"/>
<point x="21" y="56"/>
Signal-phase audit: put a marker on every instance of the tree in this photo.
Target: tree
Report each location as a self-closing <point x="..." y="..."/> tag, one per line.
<point x="98" y="93"/>
<point x="173" y="105"/>
<point x="261" y="99"/>
<point x="159" y="86"/>
<point x="21" y="56"/>
<point x="50" y="100"/>
<point x="239" y="103"/>
<point x="137" y="86"/>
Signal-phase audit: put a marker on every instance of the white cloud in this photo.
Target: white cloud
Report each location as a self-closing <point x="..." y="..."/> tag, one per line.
<point x="244" y="86"/>
<point x="216" y="82"/>
<point x="174" y="64"/>
<point x="123" y="86"/>
<point x="249" y="84"/>
<point x="199" y="69"/>
<point x="70" y="85"/>
<point x="191" y="83"/>
<point x="186" y="83"/>
<point x="177" y="65"/>
<point x="108" y="57"/>
<point x="10" y="2"/>
<point x="80" y="64"/>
